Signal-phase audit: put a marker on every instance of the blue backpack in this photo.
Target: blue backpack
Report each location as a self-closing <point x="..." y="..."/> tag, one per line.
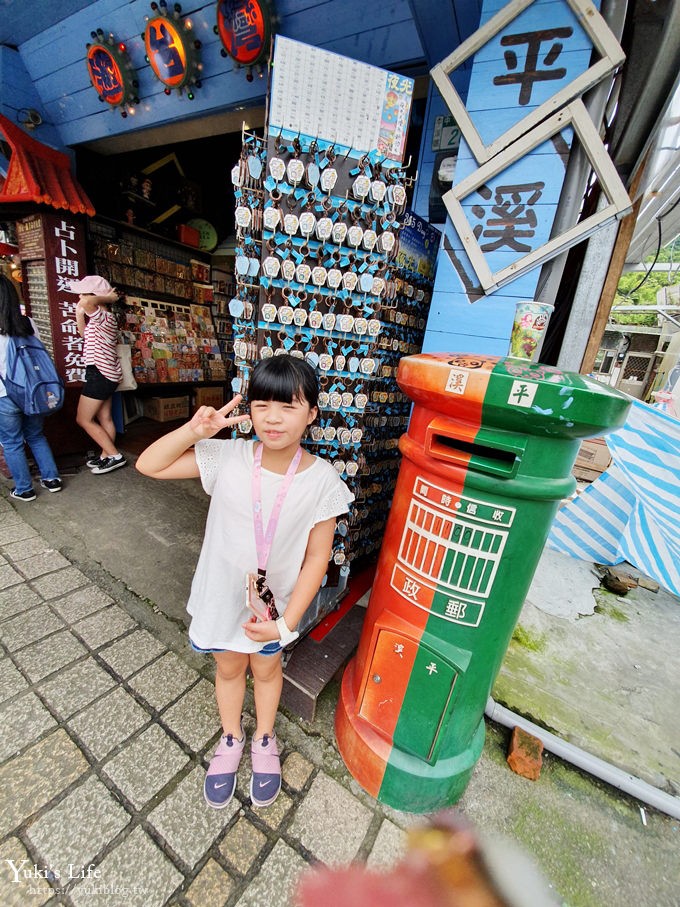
<point x="31" y="380"/>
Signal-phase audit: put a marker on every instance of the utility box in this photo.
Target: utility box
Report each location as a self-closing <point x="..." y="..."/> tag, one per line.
<point x="486" y="461"/>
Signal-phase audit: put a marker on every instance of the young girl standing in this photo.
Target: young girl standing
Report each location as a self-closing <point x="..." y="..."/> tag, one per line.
<point x="103" y="370"/>
<point x="272" y="514"/>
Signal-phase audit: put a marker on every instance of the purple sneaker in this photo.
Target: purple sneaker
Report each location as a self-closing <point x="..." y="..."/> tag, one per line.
<point x="265" y="782"/>
<point x="220" y="780"/>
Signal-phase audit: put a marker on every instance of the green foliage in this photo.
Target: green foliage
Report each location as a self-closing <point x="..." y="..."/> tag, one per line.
<point x="630" y="293"/>
<point x="528" y="640"/>
<point x="671" y="252"/>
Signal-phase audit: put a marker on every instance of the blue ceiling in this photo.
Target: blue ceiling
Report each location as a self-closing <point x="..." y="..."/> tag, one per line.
<point x="22" y="19"/>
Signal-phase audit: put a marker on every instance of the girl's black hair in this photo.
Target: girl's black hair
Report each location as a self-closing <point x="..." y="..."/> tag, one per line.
<point x="283" y="378"/>
<point x="12" y="322"/>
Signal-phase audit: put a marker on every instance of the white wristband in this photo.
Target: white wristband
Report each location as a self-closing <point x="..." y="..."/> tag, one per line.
<point x="287" y="636"/>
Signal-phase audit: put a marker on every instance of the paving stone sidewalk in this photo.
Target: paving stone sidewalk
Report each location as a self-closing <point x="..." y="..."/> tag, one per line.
<point x="107" y="733"/>
<point x="108" y="722"/>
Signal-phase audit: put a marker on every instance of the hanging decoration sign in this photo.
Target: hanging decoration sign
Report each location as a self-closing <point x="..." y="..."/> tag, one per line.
<point x="171" y="50"/>
<point x="111" y="72"/>
<point x="419" y="244"/>
<point x="245" y="30"/>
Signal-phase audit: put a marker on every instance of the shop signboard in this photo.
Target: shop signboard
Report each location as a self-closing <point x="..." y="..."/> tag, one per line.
<point x="65" y="261"/>
<point x="525" y="69"/>
<point x="509" y="169"/>
<point x="172" y="50"/>
<point x="111" y="72"/>
<point x="165" y="50"/>
<point x="52" y="250"/>
<point x="504" y="211"/>
<point x="245" y="28"/>
<point x="105" y="74"/>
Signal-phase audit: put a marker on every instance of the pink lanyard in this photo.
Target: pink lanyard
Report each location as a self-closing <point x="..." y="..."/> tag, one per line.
<point x="264" y="539"/>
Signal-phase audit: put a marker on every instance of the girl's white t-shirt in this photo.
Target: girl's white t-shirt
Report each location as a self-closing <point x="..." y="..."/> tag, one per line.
<point x="217" y="600"/>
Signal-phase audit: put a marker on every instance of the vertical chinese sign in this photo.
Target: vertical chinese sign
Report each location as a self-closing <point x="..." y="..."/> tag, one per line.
<point x="111" y="72"/>
<point x="524" y="69"/>
<point x="52" y="250"/>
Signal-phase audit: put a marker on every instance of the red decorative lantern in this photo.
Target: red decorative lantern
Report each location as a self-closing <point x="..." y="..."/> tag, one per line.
<point x="111" y="72"/>
<point x="171" y="49"/>
<point x="245" y="29"/>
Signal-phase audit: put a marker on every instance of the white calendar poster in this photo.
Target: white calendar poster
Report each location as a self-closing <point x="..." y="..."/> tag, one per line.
<point x="331" y="97"/>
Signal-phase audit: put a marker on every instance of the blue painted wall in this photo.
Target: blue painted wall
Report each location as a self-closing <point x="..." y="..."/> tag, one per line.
<point x="55" y="59"/>
<point x="50" y="68"/>
<point x="462" y="318"/>
<point x="18" y="93"/>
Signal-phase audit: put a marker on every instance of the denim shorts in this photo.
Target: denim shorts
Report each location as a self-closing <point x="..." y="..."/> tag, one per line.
<point x="97" y="386"/>
<point x="270" y="648"/>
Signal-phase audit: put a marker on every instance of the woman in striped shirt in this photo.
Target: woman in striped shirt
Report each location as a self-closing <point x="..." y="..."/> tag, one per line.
<point x="103" y="371"/>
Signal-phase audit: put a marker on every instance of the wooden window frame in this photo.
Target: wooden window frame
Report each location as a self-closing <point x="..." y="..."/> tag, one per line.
<point x="618" y="202"/>
<point x="604" y="41"/>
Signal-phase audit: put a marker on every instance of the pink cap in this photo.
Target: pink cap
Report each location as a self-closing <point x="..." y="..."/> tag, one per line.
<point x="99" y="286"/>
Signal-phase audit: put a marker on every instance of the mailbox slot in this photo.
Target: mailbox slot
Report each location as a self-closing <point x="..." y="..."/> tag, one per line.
<point x="478" y="450"/>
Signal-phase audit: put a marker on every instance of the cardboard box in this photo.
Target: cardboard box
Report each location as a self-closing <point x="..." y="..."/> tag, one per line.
<point x="208" y="396"/>
<point x="166" y="409"/>
<point x="592" y="460"/>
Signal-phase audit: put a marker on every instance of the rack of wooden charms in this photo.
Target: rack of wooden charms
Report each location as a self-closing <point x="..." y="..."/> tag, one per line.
<point x="319" y="276"/>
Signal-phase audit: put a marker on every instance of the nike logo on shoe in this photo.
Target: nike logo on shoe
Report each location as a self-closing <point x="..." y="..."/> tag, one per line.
<point x="262" y="784"/>
<point x="218" y="786"/>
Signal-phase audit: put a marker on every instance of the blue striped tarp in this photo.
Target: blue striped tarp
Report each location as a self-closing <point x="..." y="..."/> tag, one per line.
<point x="631" y="512"/>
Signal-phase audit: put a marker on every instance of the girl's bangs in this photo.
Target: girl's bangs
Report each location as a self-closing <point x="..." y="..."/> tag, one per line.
<point x="278" y="387"/>
<point x="283" y="379"/>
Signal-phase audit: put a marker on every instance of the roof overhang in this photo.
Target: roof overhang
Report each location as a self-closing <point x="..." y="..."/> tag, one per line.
<point x="39" y="175"/>
<point x="658" y="221"/>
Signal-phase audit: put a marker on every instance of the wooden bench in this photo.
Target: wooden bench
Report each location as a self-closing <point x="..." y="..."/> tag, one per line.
<point x="312" y="665"/>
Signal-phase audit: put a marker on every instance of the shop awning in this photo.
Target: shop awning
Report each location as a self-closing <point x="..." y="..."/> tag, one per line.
<point x="630" y="512"/>
<point x="40" y="174"/>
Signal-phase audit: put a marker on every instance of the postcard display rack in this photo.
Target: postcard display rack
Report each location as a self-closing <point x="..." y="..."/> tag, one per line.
<point x="321" y="274"/>
<point x="223" y="289"/>
<point x="166" y="317"/>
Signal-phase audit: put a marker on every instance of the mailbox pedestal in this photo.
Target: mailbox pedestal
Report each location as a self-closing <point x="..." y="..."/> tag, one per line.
<point x="486" y="460"/>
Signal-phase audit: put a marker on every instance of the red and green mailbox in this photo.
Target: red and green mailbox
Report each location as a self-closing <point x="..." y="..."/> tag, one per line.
<point x="486" y="460"/>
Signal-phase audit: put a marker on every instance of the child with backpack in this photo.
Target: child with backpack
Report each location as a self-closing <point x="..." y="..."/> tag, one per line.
<point x="18" y="428"/>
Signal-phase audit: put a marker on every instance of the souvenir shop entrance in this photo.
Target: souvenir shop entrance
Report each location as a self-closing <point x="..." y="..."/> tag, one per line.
<point x="303" y="245"/>
<point x="284" y="239"/>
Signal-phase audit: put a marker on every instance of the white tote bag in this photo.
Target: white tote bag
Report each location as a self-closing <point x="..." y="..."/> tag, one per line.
<point x="127" y="382"/>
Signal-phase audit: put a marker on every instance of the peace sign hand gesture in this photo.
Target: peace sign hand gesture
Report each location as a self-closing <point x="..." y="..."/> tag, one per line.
<point x="208" y="421"/>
